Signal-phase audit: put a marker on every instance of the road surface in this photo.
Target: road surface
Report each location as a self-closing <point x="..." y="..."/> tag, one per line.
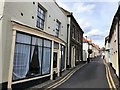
<point x="92" y="75"/>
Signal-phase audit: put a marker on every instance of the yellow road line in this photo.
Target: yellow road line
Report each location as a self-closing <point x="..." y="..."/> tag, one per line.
<point x="59" y="81"/>
<point x="64" y="79"/>
<point x="109" y="77"/>
<point x="113" y="84"/>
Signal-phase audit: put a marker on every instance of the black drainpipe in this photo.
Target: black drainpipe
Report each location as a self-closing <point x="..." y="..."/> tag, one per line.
<point x="67" y="46"/>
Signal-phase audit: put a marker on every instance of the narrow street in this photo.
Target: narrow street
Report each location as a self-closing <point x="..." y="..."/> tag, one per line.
<point x="49" y="44"/>
<point x="92" y="75"/>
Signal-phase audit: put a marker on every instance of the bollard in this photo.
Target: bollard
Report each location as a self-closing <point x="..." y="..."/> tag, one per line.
<point x="60" y="72"/>
<point x="54" y="75"/>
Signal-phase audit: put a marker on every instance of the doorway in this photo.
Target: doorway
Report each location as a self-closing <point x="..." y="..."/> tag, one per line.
<point x="55" y="56"/>
<point x="73" y="57"/>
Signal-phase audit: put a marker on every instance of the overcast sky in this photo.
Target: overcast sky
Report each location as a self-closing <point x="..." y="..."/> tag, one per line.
<point x="94" y="18"/>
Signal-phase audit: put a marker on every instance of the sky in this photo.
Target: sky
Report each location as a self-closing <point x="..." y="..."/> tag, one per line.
<point x="94" y="16"/>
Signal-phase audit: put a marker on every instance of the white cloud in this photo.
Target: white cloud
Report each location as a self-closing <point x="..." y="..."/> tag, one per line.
<point x="81" y="8"/>
<point x="93" y="32"/>
<point x="88" y="0"/>
<point x="60" y="0"/>
<point x="97" y="34"/>
<point x="84" y="23"/>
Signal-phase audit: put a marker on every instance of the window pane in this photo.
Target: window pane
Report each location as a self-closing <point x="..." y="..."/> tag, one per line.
<point x="47" y="43"/>
<point x="57" y="33"/>
<point x="36" y="41"/>
<point x="39" y="9"/>
<point x="41" y="16"/>
<point x="42" y="26"/>
<point x="21" y="61"/>
<point x="46" y="61"/>
<point x="62" y="57"/>
<point x="56" y="45"/>
<point x="34" y="67"/>
<point x="41" y="21"/>
<point x="40" y="56"/>
<point x="22" y="38"/>
<point x="37" y="13"/>
<point x="42" y="12"/>
<point x="32" y="51"/>
<point x="39" y="42"/>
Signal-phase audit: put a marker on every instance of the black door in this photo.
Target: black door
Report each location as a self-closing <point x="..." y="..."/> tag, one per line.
<point x="54" y="59"/>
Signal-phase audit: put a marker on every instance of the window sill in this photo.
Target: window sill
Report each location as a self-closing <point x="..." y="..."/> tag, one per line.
<point x="29" y="79"/>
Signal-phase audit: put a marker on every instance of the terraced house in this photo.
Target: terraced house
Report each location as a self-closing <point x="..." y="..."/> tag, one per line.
<point x="113" y="43"/>
<point x="34" y="42"/>
<point x="74" y="41"/>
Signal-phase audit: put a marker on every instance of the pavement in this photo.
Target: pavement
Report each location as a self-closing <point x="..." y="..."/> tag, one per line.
<point x="114" y="77"/>
<point x="92" y="75"/>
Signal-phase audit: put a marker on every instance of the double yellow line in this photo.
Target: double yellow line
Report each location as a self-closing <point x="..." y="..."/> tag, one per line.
<point x="63" y="79"/>
<point x="109" y="77"/>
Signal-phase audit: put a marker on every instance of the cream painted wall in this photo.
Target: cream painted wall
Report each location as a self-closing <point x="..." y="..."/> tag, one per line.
<point x="53" y="13"/>
<point x="114" y="50"/>
<point x="1" y="50"/>
<point x="106" y="52"/>
<point x="13" y="11"/>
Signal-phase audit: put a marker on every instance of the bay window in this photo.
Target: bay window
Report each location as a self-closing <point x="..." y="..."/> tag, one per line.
<point x="31" y="56"/>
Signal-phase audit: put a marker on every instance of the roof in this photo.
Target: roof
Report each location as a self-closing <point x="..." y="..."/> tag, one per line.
<point x="70" y="14"/>
<point x="90" y="42"/>
<point x="106" y="39"/>
<point x="65" y="11"/>
<point x="86" y="41"/>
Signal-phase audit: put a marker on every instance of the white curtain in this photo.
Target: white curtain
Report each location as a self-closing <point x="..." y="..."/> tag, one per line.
<point x="40" y="56"/>
<point x="21" y="56"/>
<point x="32" y="51"/>
<point x="46" y="61"/>
<point x="21" y="61"/>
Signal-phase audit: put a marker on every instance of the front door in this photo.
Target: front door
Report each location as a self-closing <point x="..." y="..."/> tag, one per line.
<point x="73" y="57"/>
<point x="55" y="60"/>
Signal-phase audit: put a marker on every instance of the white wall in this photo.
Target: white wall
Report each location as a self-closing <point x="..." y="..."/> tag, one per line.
<point x="84" y="55"/>
<point x="85" y="51"/>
